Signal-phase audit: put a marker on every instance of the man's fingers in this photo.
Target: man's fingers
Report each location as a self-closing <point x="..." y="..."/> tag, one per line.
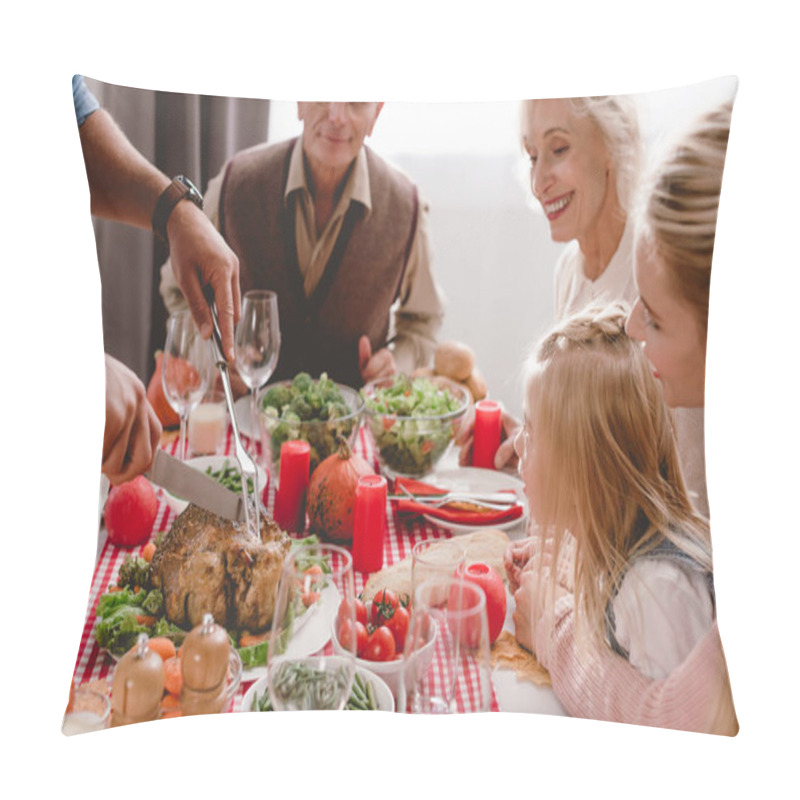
<point x="225" y="311"/>
<point x="201" y="313"/>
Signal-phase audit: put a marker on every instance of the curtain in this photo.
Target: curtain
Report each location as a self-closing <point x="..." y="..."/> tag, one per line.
<point x="182" y="134"/>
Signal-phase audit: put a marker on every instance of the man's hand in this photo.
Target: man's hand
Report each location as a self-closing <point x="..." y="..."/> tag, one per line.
<point x="505" y="455"/>
<point x="201" y="257"/>
<point x="373" y="366"/>
<point x="132" y="429"/>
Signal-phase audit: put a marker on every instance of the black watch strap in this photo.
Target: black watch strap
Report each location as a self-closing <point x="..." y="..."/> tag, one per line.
<point x="179" y="188"/>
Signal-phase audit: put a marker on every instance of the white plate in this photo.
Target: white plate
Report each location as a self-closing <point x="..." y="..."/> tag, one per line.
<point x="244" y="418"/>
<point x="474" y="479"/>
<point x="202" y="463"/>
<point x="312" y="630"/>
<point x="383" y="696"/>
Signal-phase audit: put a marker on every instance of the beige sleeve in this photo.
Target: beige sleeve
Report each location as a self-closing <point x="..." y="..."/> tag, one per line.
<point x="171" y="293"/>
<point x="419" y="311"/>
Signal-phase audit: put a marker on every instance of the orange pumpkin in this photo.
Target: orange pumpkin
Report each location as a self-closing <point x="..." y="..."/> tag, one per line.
<point x="166" y="414"/>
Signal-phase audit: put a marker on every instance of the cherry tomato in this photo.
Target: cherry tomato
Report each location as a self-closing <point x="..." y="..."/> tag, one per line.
<point x="380" y="645"/>
<point x="398" y="625"/>
<point x="360" y="611"/>
<point x="345" y="636"/>
<point x="383" y="606"/>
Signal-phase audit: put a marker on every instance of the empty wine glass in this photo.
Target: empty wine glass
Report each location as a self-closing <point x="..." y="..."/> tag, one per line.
<point x="446" y="666"/>
<point x="316" y="593"/>
<point x="257" y="344"/>
<point x="186" y="369"/>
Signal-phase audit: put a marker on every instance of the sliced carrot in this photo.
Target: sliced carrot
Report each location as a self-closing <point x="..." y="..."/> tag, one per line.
<point x="309" y="598"/>
<point x="170" y="701"/>
<point x="251" y="640"/>
<point x="143" y="619"/>
<point x="163" y="646"/>
<point x="148" y="551"/>
<point x="173" y="676"/>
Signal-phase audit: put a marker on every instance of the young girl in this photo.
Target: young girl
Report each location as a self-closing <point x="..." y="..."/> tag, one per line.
<point x="601" y="472"/>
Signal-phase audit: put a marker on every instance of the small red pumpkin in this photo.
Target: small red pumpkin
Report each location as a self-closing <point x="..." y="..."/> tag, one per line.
<point x="332" y="493"/>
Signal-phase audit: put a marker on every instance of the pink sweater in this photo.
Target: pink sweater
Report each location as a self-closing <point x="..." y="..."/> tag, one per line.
<point x="604" y="686"/>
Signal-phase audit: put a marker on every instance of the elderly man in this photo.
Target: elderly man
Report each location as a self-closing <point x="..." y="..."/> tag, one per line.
<point x="341" y="236"/>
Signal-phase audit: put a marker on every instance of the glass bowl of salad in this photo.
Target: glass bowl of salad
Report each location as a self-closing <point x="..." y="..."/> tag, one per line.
<point x="316" y="411"/>
<point x="413" y="421"/>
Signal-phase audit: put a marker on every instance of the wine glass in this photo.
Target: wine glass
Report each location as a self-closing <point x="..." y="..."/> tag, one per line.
<point x="315" y="595"/>
<point x="446" y="666"/>
<point x="257" y="343"/>
<point x="186" y="369"/>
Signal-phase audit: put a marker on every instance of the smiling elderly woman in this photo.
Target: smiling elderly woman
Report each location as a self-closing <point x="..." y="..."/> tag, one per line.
<point x="585" y="154"/>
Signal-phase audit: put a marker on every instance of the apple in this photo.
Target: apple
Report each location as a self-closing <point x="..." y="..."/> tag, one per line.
<point x="131" y="512"/>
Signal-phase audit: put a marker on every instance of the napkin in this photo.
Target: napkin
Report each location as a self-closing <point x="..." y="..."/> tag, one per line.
<point x="460" y="513"/>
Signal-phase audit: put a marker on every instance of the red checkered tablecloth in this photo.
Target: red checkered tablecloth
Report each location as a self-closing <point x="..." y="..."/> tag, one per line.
<point x="402" y="534"/>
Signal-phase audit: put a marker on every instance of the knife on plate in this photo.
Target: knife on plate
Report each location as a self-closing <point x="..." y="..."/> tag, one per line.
<point x="190" y="484"/>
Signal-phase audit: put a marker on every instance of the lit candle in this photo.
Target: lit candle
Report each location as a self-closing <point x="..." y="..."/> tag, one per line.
<point x="486" y="434"/>
<point x="369" y="523"/>
<point x="290" y="499"/>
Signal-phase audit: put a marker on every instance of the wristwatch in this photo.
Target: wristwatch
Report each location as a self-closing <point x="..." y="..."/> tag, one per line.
<point x="179" y="189"/>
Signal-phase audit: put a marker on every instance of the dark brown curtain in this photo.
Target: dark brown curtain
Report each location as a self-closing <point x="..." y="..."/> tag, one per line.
<point x="187" y="134"/>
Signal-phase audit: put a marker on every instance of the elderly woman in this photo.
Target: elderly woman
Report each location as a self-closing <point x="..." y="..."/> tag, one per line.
<point x="584" y="154"/>
<point x="584" y="160"/>
<point x="674" y="246"/>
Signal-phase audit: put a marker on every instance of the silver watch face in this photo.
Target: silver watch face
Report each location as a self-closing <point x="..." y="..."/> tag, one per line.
<point x="192" y="192"/>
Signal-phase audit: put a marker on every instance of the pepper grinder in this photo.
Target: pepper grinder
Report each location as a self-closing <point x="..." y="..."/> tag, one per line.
<point x="205" y="658"/>
<point x="138" y="685"/>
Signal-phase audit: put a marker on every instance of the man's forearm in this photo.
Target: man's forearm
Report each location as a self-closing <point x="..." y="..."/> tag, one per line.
<point x="124" y="186"/>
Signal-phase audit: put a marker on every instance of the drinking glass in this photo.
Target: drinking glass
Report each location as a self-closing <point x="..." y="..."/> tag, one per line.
<point x="186" y="368"/>
<point x="208" y="425"/>
<point x="316" y="593"/>
<point x="446" y="667"/>
<point x="257" y="344"/>
<point x="440" y="559"/>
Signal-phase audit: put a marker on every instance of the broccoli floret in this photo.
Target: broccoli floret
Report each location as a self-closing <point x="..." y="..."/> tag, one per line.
<point x="302" y="382"/>
<point x="301" y="407"/>
<point x="276" y="397"/>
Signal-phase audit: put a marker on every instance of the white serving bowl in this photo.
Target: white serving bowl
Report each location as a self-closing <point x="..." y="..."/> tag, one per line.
<point x="201" y="464"/>
<point x="383" y="695"/>
<point x="390" y="671"/>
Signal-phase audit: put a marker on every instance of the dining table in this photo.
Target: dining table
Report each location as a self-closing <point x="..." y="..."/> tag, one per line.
<point x="510" y="692"/>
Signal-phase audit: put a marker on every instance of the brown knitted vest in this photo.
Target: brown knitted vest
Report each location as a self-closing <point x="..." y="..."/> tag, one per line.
<point x="361" y="279"/>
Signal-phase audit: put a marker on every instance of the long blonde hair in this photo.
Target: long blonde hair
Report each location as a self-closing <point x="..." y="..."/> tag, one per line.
<point x="679" y="216"/>
<point x="613" y="475"/>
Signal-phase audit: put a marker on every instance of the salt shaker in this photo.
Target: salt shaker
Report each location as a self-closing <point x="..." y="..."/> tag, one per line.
<point x="205" y="658"/>
<point x="138" y="685"/>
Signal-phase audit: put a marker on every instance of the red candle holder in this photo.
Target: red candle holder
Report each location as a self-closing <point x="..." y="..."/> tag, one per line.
<point x="369" y="523"/>
<point x="486" y="433"/>
<point x="290" y="498"/>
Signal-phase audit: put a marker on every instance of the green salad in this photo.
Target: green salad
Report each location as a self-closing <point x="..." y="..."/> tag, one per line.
<point x="314" y="411"/>
<point x="413" y="422"/>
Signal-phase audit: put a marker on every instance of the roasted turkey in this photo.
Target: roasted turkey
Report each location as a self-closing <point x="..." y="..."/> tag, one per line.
<point x="209" y="564"/>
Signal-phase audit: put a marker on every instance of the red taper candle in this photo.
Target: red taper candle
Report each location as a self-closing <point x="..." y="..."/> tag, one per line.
<point x="486" y="433"/>
<point x="290" y="499"/>
<point x="369" y="523"/>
